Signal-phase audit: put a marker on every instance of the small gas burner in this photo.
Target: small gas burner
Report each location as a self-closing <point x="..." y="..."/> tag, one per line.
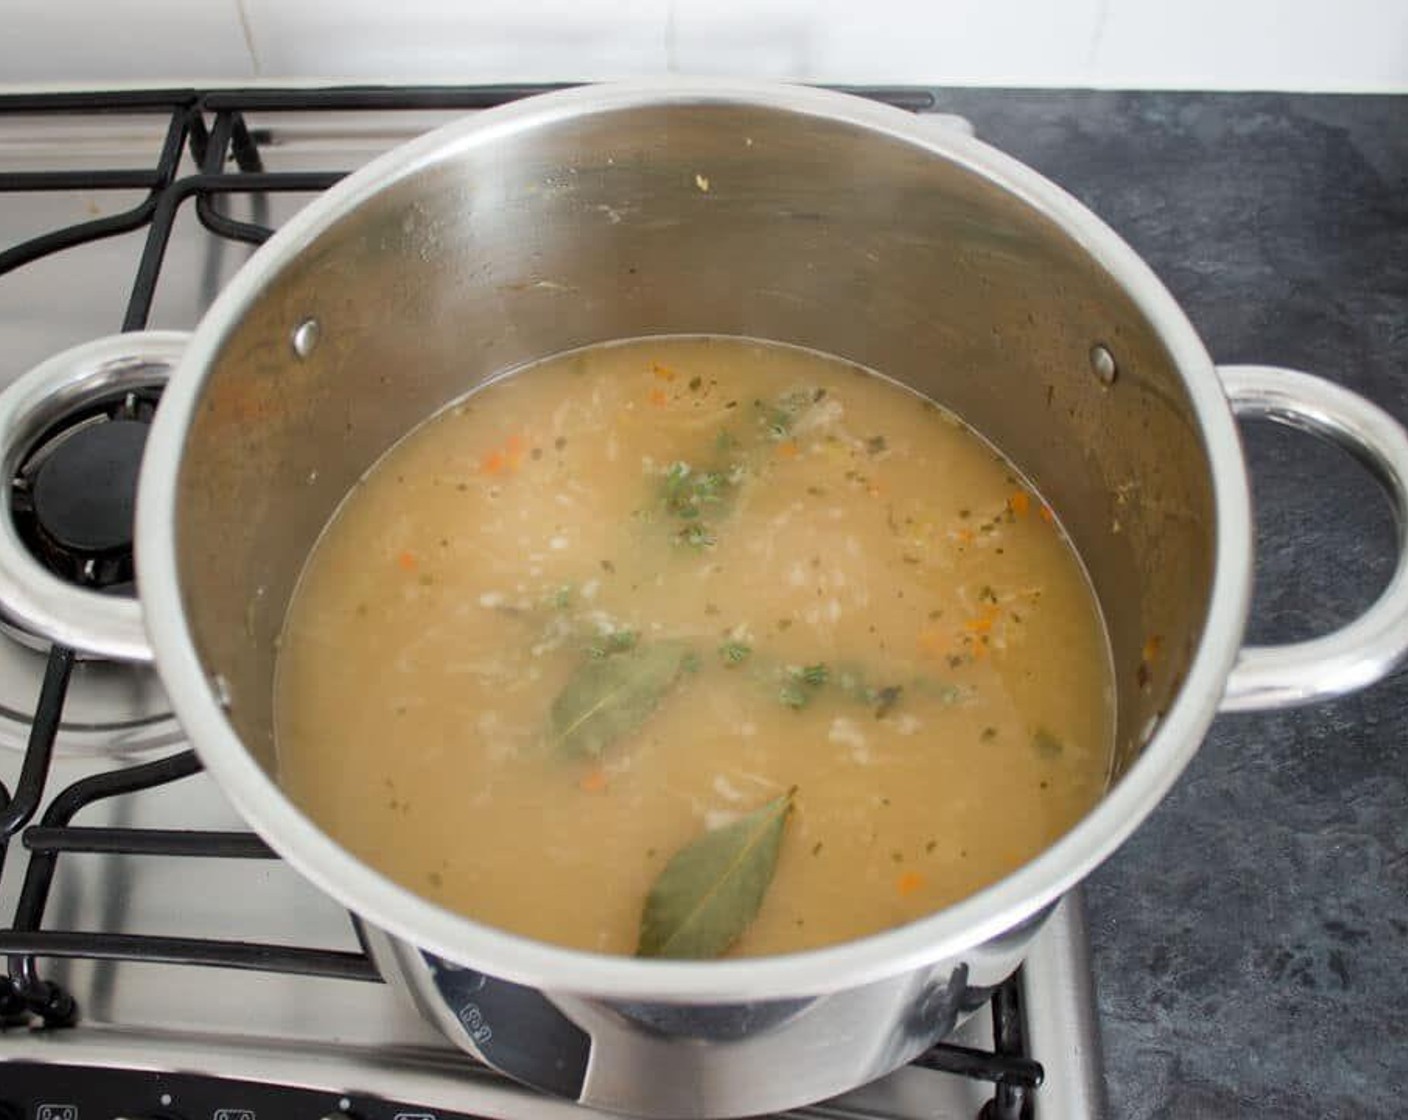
<point x="75" y="495"/>
<point x="72" y="432"/>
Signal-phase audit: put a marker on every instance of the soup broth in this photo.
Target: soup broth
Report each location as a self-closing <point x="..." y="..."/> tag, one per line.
<point x="690" y="645"/>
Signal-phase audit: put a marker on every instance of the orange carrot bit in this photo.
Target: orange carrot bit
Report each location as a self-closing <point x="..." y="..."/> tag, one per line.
<point x="593" y="782"/>
<point x="1047" y="515"/>
<point x="1020" y="503"/>
<point x="664" y="373"/>
<point x="493" y="463"/>
<point x="788" y="449"/>
<point x="1152" y="646"/>
<point x="980" y="625"/>
<point x="909" y="882"/>
<point x="657" y="397"/>
<point x="406" y="561"/>
<point x="514" y="451"/>
<point x="965" y="536"/>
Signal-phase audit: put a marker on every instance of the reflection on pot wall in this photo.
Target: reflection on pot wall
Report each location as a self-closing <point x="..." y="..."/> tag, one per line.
<point x="1255" y="44"/>
<point x="602" y="1052"/>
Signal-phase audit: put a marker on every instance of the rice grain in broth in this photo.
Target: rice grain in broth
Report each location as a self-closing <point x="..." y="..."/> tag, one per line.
<point x="870" y="605"/>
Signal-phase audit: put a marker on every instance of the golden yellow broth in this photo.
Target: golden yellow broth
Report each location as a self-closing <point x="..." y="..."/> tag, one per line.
<point x="492" y="552"/>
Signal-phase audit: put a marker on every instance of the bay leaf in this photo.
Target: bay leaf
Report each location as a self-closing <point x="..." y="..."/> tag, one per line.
<point x="609" y="697"/>
<point x="712" y="889"/>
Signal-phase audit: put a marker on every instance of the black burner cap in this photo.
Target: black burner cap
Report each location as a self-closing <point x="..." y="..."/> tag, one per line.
<point x="85" y="490"/>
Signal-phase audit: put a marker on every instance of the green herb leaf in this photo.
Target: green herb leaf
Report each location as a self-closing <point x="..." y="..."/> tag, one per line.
<point x="794" y="695"/>
<point x="696" y="535"/>
<point x="618" y="641"/>
<point x="687" y="490"/>
<point x="734" y="653"/>
<point x="800" y="683"/>
<point x="712" y="889"/>
<point x="609" y="697"/>
<point x="777" y="419"/>
<point x="676" y="475"/>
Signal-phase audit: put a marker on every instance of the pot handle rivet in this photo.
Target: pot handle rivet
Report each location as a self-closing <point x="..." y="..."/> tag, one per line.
<point x="1103" y="365"/>
<point x="1368" y="648"/>
<point x="220" y="688"/>
<point x="305" y="338"/>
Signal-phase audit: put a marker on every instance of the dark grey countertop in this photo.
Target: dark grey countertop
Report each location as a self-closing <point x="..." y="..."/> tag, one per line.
<point x="1251" y="939"/>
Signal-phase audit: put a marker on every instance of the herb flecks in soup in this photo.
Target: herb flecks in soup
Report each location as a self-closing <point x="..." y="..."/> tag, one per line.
<point x="694" y="645"/>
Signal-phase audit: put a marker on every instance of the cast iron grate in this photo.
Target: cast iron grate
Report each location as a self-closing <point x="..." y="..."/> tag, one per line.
<point x="211" y="126"/>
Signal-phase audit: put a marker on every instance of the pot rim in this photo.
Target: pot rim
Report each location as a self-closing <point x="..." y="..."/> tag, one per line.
<point x="456" y="938"/>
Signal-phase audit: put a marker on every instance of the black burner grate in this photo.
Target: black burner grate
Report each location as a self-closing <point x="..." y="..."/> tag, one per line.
<point x="211" y="126"/>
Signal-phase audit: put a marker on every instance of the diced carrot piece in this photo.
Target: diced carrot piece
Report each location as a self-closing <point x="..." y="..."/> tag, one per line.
<point x="664" y="373"/>
<point x="657" y="397"/>
<point x="1152" y="646"/>
<point x="406" y="561"/>
<point x="909" y="882"/>
<point x="593" y="782"/>
<point x="788" y="449"/>
<point x="493" y="463"/>
<point x="1020" y="503"/>
<point x="980" y="625"/>
<point x="1047" y="515"/>
<point x="514" y="451"/>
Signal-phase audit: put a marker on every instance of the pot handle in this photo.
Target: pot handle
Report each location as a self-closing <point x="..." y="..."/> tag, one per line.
<point x="31" y="596"/>
<point x="1369" y="647"/>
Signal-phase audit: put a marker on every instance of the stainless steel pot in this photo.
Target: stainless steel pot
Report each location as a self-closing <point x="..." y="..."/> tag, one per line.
<point x="790" y="214"/>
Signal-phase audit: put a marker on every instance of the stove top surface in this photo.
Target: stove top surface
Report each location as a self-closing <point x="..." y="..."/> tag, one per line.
<point x="345" y="1038"/>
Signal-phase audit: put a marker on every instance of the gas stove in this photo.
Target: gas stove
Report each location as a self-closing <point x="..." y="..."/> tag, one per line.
<point x="161" y="960"/>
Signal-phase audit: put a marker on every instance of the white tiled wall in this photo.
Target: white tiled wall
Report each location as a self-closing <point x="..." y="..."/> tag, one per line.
<point x="457" y="40"/>
<point x="89" y="40"/>
<point x="1228" y="44"/>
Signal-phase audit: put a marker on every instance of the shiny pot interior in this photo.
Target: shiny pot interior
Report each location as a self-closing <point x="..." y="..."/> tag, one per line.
<point x="563" y="228"/>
